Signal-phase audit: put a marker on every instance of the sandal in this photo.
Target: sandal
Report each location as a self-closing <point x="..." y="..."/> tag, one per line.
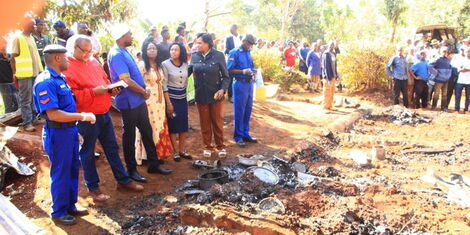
<point x="186" y="156"/>
<point x="207" y="153"/>
<point x="222" y="153"/>
<point x="177" y="158"/>
<point x="98" y="196"/>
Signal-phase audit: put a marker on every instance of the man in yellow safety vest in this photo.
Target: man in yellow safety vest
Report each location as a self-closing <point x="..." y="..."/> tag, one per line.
<point x="26" y="65"/>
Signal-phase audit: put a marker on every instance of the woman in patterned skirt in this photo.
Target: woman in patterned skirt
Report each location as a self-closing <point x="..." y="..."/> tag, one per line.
<point x="153" y="77"/>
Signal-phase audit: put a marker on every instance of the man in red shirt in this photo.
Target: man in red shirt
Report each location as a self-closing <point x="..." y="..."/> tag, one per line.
<point x="89" y="83"/>
<point x="290" y="54"/>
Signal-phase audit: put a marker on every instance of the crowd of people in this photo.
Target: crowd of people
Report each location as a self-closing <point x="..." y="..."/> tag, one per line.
<point x="69" y="84"/>
<point x="429" y="71"/>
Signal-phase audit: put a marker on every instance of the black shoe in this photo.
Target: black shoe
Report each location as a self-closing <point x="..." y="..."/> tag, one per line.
<point x="158" y="169"/>
<point x="65" y="220"/>
<point x="79" y="212"/>
<point x="241" y="143"/>
<point x="137" y="177"/>
<point x="250" y="140"/>
<point x="186" y="156"/>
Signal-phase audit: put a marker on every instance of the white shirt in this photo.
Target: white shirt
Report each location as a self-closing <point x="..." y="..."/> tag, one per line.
<point x="236" y="41"/>
<point x="464" y="77"/>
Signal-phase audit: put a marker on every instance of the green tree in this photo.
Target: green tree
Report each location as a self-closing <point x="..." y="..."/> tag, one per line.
<point x="306" y="23"/>
<point x="96" y="13"/>
<point x="394" y="11"/>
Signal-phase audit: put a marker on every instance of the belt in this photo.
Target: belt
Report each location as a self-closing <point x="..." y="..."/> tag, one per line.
<point x="53" y="124"/>
<point x="244" y="79"/>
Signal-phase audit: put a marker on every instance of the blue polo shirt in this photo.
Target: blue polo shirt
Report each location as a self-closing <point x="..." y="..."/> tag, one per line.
<point x="239" y="58"/>
<point x="50" y="91"/>
<point x="421" y="69"/>
<point x="397" y="68"/>
<point x="121" y="63"/>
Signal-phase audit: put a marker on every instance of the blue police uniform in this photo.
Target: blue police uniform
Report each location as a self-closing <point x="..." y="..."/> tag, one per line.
<point x="60" y="141"/>
<point x="239" y="58"/>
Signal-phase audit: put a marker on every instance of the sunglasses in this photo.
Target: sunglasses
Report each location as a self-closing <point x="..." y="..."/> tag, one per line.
<point x="86" y="52"/>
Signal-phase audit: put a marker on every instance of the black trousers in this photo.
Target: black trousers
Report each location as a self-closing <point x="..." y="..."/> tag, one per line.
<point x="450" y="89"/>
<point x="230" y="91"/>
<point x="132" y="118"/>
<point x="420" y="90"/>
<point x="400" y="86"/>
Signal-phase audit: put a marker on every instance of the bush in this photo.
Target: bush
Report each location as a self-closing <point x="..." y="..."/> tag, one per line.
<point x="269" y="60"/>
<point x="290" y="77"/>
<point x="363" y="66"/>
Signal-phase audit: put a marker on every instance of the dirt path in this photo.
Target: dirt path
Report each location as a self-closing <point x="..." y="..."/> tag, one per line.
<point x="389" y="188"/>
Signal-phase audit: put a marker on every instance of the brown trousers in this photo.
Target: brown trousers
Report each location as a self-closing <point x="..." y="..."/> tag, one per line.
<point x="410" y="89"/>
<point x="212" y="121"/>
<point x="328" y="93"/>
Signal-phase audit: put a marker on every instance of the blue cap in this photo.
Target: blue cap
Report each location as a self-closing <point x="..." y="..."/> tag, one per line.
<point x="39" y="21"/>
<point x="59" y="24"/>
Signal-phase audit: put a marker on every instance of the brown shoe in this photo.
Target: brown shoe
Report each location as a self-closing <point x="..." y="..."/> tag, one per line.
<point x="29" y="128"/>
<point x="130" y="187"/>
<point x="98" y="196"/>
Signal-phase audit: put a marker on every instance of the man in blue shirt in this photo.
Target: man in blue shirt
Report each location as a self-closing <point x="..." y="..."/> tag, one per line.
<point x="419" y="73"/>
<point x="303" y="52"/>
<point x="444" y="72"/>
<point x="53" y="98"/>
<point x="397" y="69"/>
<point x="240" y="65"/>
<point x="131" y="103"/>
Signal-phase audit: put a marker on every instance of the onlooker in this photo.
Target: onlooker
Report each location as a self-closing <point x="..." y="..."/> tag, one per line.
<point x="175" y="83"/>
<point x="104" y="58"/>
<point x="410" y="60"/>
<point x="211" y="79"/>
<point x="397" y="69"/>
<point x="138" y="56"/>
<point x="82" y="29"/>
<point x="419" y="73"/>
<point x="330" y="74"/>
<point x="290" y="54"/>
<point x="444" y="72"/>
<point x="234" y="40"/>
<point x="463" y="81"/>
<point x="40" y="38"/>
<point x="63" y="33"/>
<point x="314" y="68"/>
<point x="303" y="52"/>
<point x="54" y="99"/>
<point x="26" y="65"/>
<point x="7" y="88"/>
<point x="164" y="46"/>
<point x="180" y="31"/>
<point x="131" y="102"/>
<point x="152" y="72"/>
<point x="240" y="65"/>
<point x="89" y="82"/>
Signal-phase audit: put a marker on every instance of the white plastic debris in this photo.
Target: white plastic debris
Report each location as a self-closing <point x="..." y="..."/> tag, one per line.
<point x="359" y="157"/>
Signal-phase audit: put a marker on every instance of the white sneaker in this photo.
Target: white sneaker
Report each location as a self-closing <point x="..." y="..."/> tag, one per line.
<point x="207" y="153"/>
<point x="222" y="153"/>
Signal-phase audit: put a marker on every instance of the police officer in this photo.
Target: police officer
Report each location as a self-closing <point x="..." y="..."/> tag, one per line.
<point x="241" y="67"/>
<point x="54" y="99"/>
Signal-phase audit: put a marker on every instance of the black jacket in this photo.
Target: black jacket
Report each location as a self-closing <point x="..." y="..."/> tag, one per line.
<point x="210" y="75"/>
<point x="329" y="69"/>
<point x="230" y="44"/>
<point x="6" y="74"/>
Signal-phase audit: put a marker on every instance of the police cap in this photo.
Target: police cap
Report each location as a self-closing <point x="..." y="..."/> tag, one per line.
<point x="54" y="48"/>
<point x="250" y="39"/>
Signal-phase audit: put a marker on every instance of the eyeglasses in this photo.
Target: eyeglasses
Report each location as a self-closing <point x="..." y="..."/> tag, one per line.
<point x="86" y="52"/>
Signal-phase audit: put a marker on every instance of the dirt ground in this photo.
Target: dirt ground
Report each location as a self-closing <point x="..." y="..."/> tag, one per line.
<point x="388" y="195"/>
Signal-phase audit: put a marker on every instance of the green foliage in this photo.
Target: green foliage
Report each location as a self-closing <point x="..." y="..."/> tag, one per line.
<point x="95" y="12"/>
<point x="269" y="60"/>
<point x="306" y="23"/>
<point x="288" y="78"/>
<point x="362" y="66"/>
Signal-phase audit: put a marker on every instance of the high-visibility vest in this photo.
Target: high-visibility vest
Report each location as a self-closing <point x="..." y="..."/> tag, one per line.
<point x="24" y="61"/>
